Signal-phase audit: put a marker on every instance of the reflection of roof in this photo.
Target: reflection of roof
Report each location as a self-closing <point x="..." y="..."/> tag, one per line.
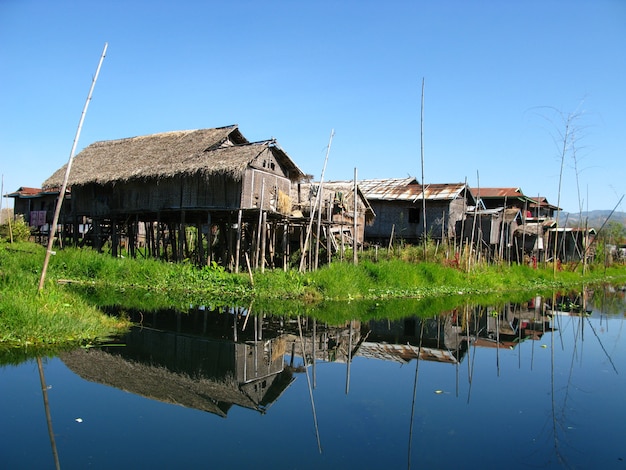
<point x="404" y="352"/>
<point x="492" y="343"/>
<point x="159" y="383"/>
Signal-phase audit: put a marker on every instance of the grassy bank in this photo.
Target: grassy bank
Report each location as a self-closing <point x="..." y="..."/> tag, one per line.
<point x="82" y="284"/>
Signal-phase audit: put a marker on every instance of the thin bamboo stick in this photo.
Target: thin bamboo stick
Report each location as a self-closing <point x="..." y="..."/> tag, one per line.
<point x="57" y="211"/>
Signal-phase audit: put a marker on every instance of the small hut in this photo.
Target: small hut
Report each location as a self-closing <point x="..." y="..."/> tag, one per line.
<point x="399" y="207"/>
<point x="213" y="180"/>
<point x="341" y="215"/>
<point x="492" y="231"/>
<point x="36" y="207"/>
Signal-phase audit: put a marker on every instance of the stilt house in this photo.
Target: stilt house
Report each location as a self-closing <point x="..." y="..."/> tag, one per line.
<point x="37" y="206"/>
<point x="398" y="204"/>
<point x="492" y="231"/>
<point x="342" y="214"/>
<point x="214" y="180"/>
<point x="493" y="198"/>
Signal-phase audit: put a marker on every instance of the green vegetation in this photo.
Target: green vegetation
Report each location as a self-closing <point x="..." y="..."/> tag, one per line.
<point x="82" y="285"/>
<point x="18" y="231"/>
<point x="56" y="317"/>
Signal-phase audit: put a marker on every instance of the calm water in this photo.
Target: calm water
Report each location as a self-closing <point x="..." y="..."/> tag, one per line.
<point x="512" y="386"/>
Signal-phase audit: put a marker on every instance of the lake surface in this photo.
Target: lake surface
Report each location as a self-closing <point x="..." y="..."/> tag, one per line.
<point x="541" y="384"/>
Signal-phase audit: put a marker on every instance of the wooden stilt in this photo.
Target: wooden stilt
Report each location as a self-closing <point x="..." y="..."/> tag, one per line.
<point x="263" y="240"/>
<point x="238" y="246"/>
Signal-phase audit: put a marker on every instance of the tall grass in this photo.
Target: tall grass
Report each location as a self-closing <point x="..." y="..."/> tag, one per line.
<point x="33" y="319"/>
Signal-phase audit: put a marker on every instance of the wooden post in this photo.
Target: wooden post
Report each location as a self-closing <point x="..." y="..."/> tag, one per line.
<point x="209" y="238"/>
<point x="318" y="229"/>
<point x="263" y="240"/>
<point x="258" y="229"/>
<point x="238" y="243"/>
<point x="114" y="238"/>
<point x="329" y="245"/>
<point x="182" y="237"/>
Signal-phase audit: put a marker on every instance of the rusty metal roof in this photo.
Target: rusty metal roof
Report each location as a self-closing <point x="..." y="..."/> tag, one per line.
<point x="408" y="189"/>
<point x="486" y="193"/>
<point x="25" y="192"/>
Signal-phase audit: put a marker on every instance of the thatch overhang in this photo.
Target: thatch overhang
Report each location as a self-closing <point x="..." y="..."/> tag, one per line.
<point x="220" y="151"/>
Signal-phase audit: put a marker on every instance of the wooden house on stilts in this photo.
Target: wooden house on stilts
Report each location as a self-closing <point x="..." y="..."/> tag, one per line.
<point x="341" y="215"/>
<point x="206" y="195"/>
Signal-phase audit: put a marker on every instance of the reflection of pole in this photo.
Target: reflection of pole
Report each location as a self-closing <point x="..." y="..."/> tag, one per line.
<point x="306" y="371"/>
<point x="349" y="360"/>
<point x="498" y="343"/>
<point x="314" y="351"/>
<point x="46" y="405"/>
<point x="417" y="364"/>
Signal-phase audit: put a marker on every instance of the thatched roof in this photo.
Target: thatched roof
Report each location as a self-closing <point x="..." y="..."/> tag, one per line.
<point x="222" y="150"/>
<point x="159" y="383"/>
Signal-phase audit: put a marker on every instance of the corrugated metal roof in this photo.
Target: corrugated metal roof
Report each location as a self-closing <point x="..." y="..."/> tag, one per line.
<point x="29" y="193"/>
<point x="390" y="189"/>
<point x="497" y="192"/>
<point x="408" y="189"/>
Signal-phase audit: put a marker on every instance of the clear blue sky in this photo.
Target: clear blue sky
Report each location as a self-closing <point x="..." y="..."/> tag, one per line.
<point x="497" y="74"/>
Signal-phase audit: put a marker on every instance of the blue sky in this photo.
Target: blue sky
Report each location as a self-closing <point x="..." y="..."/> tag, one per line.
<point x="499" y="76"/>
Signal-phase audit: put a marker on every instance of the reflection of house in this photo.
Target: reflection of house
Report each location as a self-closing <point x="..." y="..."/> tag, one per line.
<point x="507" y="326"/>
<point x="437" y="339"/>
<point x="211" y="179"/>
<point x="323" y="342"/>
<point x="398" y="204"/>
<point x="190" y="369"/>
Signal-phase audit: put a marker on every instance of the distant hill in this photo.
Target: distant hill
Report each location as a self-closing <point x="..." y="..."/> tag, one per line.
<point x="595" y="219"/>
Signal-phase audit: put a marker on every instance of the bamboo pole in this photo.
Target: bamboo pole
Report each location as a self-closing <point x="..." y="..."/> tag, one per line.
<point x="355" y="236"/>
<point x="57" y="211"/>
<point x="422" y="159"/>
<point x="317" y="200"/>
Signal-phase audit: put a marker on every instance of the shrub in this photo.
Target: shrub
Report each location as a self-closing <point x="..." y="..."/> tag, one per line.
<point x="18" y="231"/>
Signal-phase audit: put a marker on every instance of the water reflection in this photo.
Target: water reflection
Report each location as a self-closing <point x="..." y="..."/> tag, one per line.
<point x="377" y="392"/>
<point x="212" y="360"/>
<point x="203" y="360"/>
